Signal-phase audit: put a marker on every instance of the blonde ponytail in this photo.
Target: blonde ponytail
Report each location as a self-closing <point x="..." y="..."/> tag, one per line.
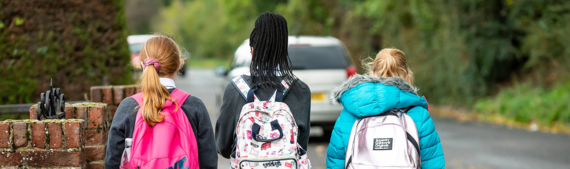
<point x="162" y="57"/>
<point x="154" y="96"/>
<point x="391" y="62"/>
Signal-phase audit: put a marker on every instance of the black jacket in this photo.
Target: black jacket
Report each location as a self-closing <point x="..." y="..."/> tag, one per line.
<point x="298" y="99"/>
<point x="124" y="123"/>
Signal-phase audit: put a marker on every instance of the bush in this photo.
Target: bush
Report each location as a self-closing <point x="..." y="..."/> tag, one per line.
<point x="76" y="43"/>
<point x="525" y="103"/>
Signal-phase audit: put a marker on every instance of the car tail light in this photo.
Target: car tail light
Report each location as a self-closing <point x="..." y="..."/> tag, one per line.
<point x="350" y="71"/>
<point x="134" y="55"/>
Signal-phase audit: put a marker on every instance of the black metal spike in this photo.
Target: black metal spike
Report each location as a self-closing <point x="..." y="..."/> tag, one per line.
<point x="52" y="104"/>
<point x="39" y="110"/>
<point x="48" y="103"/>
<point x="62" y="102"/>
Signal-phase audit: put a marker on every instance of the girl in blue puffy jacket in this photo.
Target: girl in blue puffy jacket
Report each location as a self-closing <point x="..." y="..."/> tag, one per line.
<point x="389" y="86"/>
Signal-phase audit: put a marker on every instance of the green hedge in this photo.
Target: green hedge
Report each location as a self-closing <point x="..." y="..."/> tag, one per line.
<point x="76" y="43"/>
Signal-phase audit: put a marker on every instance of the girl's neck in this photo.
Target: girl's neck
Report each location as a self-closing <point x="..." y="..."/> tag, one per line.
<point x="167" y="76"/>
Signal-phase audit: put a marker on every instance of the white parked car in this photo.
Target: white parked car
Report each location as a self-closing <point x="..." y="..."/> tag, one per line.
<point x="323" y="63"/>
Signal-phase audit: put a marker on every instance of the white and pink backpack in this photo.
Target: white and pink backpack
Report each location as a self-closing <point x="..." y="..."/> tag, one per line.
<point x="170" y="144"/>
<point x="266" y="134"/>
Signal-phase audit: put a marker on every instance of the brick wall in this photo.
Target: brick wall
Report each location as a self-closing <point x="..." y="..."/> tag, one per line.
<point x="40" y="144"/>
<point x="96" y="119"/>
<point x="112" y="95"/>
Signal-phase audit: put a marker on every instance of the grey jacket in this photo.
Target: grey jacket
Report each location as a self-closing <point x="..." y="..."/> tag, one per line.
<point x="298" y="99"/>
<point x="124" y="123"/>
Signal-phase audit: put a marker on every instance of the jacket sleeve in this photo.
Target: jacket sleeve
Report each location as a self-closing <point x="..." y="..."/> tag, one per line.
<point x="118" y="132"/>
<point x="226" y="123"/>
<point x="430" y="146"/>
<point x="303" y="119"/>
<point x="336" y="152"/>
<point x="207" y="157"/>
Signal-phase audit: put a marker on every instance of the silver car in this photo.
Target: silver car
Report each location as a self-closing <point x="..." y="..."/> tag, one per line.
<point x="323" y="63"/>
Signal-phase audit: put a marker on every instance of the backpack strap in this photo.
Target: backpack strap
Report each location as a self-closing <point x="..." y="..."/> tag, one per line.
<point x="248" y="92"/>
<point x="279" y="95"/>
<point x="244" y="88"/>
<point x="405" y="110"/>
<point x="179" y="96"/>
<point x="412" y="140"/>
<point x="138" y="97"/>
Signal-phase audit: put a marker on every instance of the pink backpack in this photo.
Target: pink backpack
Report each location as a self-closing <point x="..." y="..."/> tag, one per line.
<point x="169" y="144"/>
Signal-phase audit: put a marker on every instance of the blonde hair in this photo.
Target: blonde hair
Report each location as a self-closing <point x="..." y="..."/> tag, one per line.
<point x="390" y="62"/>
<point x="167" y="52"/>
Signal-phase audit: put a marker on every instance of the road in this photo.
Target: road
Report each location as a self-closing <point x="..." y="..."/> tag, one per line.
<point x="465" y="144"/>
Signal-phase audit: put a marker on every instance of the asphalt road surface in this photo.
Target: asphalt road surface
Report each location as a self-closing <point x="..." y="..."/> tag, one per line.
<point x="465" y="144"/>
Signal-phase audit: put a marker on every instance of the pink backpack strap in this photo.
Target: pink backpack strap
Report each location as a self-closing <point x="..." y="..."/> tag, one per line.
<point x="177" y="95"/>
<point x="138" y="97"/>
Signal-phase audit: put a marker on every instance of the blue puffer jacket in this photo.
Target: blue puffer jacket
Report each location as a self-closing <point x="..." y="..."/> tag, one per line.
<point x="364" y="96"/>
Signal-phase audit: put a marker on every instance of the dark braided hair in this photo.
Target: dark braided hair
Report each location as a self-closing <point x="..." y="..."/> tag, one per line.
<point x="270" y="58"/>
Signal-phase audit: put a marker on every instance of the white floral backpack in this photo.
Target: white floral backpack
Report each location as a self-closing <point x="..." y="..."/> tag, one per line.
<point x="266" y="134"/>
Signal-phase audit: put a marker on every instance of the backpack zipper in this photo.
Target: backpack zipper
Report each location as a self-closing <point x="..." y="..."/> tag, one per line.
<point x="269" y="160"/>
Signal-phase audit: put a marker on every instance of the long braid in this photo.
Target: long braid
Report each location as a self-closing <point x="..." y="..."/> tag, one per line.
<point x="269" y="40"/>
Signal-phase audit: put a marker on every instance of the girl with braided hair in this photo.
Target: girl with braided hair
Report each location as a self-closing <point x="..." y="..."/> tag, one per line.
<point x="270" y="66"/>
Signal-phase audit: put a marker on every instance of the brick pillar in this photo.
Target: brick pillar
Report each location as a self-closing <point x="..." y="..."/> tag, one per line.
<point x="96" y="136"/>
<point x="96" y="131"/>
<point x="89" y="135"/>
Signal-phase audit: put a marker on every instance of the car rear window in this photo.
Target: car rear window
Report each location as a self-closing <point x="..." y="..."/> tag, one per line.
<point x="136" y="48"/>
<point x="318" y="57"/>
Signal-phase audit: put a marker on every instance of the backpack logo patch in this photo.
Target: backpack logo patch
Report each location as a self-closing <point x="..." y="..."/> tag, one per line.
<point x="179" y="164"/>
<point x="383" y="143"/>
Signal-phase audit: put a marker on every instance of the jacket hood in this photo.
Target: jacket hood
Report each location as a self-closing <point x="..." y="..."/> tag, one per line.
<point x="365" y="95"/>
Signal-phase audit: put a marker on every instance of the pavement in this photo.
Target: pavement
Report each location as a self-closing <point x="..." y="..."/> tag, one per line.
<point x="466" y="145"/>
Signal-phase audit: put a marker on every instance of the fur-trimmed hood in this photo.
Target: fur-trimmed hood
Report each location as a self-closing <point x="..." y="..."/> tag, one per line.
<point x="358" y="79"/>
<point x="364" y="95"/>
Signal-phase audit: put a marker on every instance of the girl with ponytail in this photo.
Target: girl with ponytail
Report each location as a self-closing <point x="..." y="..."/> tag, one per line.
<point x="161" y="59"/>
<point x="388" y="85"/>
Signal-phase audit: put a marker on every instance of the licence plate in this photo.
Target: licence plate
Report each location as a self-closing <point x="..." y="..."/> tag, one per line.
<point x="318" y="96"/>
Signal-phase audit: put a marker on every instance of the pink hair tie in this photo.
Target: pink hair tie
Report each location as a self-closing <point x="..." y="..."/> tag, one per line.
<point x="152" y="61"/>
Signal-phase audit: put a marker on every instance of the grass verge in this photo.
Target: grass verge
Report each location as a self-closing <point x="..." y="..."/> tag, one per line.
<point x="522" y="106"/>
<point x="462" y="116"/>
<point x="527" y="104"/>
